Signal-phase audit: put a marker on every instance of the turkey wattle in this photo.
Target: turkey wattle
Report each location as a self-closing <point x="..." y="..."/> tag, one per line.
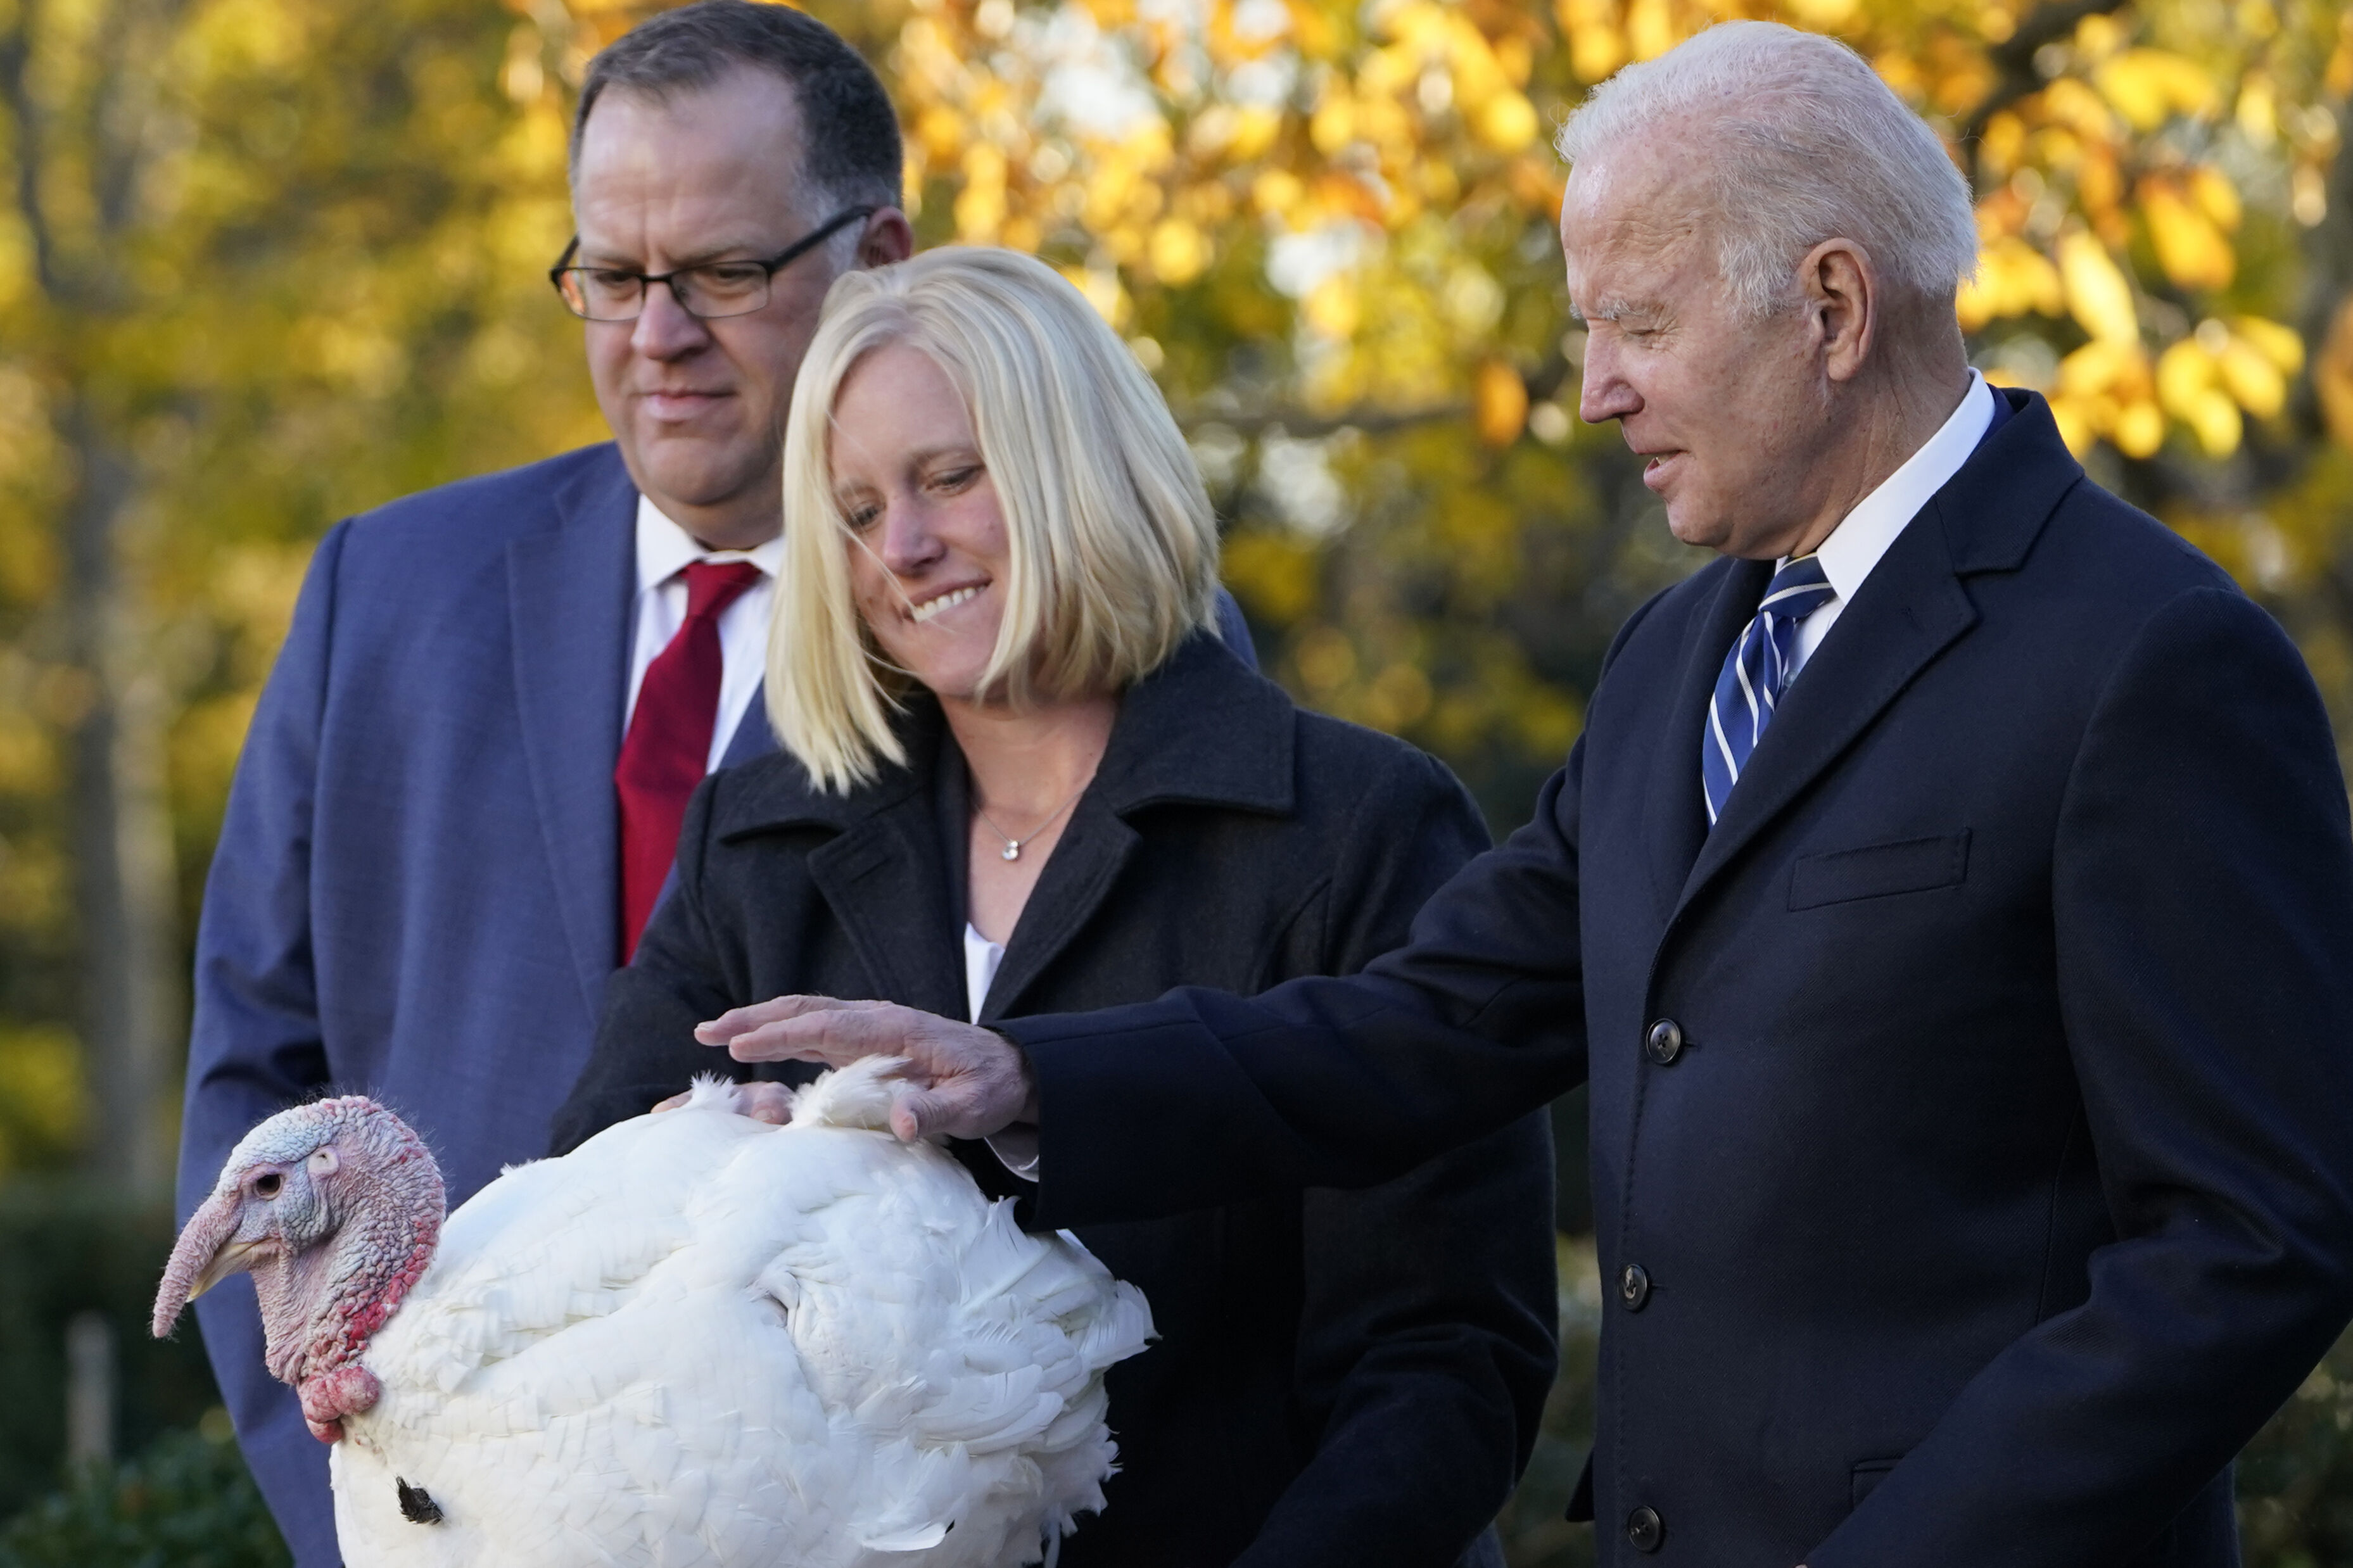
<point x="697" y="1339"/>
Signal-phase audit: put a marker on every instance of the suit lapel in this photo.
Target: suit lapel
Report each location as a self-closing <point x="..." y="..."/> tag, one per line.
<point x="752" y="738"/>
<point x="568" y="594"/>
<point x="1909" y="610"/>
<point x="1676" y="814"/>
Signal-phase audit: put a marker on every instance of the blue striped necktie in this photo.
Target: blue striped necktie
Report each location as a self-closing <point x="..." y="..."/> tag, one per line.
<point x="1756" y="673"/>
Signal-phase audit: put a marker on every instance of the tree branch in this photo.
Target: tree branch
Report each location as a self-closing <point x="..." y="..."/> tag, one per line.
<point x="1306" y="426"/>
<point x="2013" y="58"/>
<point x="16" y="57"/>
<point x="125" y="108"/>
<point x="1546" y="381"/>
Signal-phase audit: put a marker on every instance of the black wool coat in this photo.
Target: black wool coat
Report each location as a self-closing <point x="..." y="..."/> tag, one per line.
<point x="1972" y="1107"/>
<point x="1348" y="1378"/>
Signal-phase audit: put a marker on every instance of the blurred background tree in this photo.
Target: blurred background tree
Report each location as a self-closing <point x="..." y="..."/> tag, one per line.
<point x="264" y="263"/>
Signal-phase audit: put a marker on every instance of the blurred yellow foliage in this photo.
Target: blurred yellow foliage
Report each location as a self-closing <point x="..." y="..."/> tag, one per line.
<point x="2097" y="294"/>
<point x="43" y="1107"/>
<point x="2189" y="387"/>
<point x="2148" y="87"/>
<point x="2333" y="376"/>
<point x="1499" y="403"/>
<point x="2189" y="247"/>
<point x="281" y="261"/>
<point x="1358" y="145"/>
<point x="2012" y="279"/>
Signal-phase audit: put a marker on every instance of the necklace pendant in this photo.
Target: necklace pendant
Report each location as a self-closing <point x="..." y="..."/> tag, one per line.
<point x="1012" y="850"/>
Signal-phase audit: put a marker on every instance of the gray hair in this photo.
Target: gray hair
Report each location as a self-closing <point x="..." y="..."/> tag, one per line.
<point x="1805" y="143"/>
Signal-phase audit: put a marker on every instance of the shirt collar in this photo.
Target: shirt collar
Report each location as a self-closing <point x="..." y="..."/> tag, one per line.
<point x="664" y="549"/>
<point x="1858" y="541"/>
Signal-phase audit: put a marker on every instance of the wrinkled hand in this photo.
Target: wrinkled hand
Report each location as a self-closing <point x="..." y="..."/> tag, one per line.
<point x="972" y="1082"/>
<point x="768" y="1103"/>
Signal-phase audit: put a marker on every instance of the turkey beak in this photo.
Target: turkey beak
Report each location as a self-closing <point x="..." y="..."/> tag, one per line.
<point x="210" y="1250"/>
<point x="235" y="1258"/>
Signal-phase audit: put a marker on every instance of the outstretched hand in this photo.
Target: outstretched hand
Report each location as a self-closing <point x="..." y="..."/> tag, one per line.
<point x="972" y="1082"/>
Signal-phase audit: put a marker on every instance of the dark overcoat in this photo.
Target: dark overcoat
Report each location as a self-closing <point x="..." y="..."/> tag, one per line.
<point x="1972" y="1107"/>
<point x="1348" y="1378"/>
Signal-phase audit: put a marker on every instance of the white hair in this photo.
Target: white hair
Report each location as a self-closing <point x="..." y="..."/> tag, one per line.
<point x="1804" y="144"/>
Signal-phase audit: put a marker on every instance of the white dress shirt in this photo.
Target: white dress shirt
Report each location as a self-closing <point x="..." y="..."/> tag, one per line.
<point x="664" y="551"/>
<point x="1861" y="538"/>
<point x="982" y="958"/>
<point x="1015" y="1148"/>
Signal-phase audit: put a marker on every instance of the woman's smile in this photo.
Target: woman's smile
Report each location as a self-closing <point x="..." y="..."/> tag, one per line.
<point x="920" y="611"/>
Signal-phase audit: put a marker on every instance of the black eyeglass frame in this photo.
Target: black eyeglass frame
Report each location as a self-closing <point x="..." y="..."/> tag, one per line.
<point x="771" y="266"/>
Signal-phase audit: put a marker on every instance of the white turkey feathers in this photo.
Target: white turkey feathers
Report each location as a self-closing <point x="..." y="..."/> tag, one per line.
<point x="701" y="1342"/>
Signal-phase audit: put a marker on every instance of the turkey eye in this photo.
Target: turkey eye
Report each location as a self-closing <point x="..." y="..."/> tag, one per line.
<point x="267" y="1187"/>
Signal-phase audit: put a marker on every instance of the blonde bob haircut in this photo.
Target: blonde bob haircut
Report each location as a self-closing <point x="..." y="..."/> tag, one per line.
<point x="1112" y="546"/>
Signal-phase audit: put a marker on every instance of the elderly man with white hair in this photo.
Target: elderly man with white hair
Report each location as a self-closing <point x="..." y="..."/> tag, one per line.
<point x="1949" y="902"/>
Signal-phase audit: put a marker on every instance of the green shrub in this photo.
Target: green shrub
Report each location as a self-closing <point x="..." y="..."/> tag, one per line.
<point x="2295" y="1480"/>
<point x="70" y="1246"/>
<point x="187" y="1502"/>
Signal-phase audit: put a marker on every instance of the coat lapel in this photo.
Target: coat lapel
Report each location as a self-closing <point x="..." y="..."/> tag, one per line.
<point x="1079" y="876"/>
<point x="1909" y="610"/>
<point x="568" y="594"/>
<point x="1202" y="729"/>
<point x="884" y="874"/>
<point x="1676" y="814"/>
<point x="887" y="886"/>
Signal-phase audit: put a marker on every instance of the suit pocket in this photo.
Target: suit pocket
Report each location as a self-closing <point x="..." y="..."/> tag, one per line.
<point x="1909" y="866"/>
<point x="1867" y="1476"/>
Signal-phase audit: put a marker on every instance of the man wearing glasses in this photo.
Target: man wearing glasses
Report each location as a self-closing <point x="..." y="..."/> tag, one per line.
<point x="463" y="785"/>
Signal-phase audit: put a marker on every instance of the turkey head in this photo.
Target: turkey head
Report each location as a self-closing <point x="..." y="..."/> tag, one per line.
<point x="334" y="1208"/>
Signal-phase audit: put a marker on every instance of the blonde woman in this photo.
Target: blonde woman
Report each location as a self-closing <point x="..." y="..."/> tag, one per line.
<point x="1022" y="773"/>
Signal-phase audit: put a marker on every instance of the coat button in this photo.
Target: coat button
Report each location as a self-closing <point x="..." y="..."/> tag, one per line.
<point x="1664" y="1042"/>
<point x="1634" y="1286"/>
<point x="1645" y="1529"/>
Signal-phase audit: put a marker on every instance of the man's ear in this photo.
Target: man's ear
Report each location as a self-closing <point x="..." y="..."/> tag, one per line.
<point x="1842" y="290"/>
<point x="887" y="237"/>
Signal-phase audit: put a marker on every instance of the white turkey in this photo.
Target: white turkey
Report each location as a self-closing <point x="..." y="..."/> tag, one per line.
<point x="696" y="1339"/>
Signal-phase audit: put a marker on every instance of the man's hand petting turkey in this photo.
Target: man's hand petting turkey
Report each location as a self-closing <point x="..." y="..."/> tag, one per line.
<point x="969" y="1082"/>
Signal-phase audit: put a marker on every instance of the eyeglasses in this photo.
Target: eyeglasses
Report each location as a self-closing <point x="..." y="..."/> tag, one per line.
<point x="714" y="289"/>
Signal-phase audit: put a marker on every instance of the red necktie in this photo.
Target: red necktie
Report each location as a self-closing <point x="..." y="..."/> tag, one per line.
<point x="668" y="748"/>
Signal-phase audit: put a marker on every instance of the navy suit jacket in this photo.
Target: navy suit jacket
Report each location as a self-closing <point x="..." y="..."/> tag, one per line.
<point x="416" y="894"/>
<point x="1994" y="1182"/>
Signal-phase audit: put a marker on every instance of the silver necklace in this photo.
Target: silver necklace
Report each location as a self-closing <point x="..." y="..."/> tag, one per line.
<point x="1012" y="850"/>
